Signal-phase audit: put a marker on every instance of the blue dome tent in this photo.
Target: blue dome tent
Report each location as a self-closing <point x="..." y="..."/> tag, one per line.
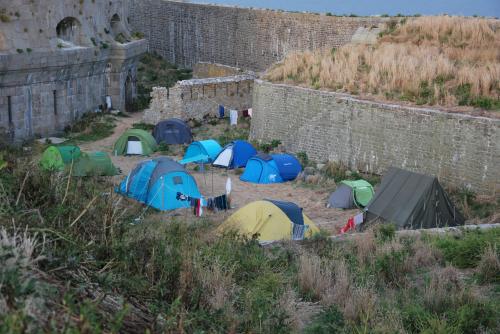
<point x="156" y="183"/>
<point x="276" y="168"/>
<point x="235" y="155"/>
<point x="201" y="152"/>
<point x="172" y="131"/>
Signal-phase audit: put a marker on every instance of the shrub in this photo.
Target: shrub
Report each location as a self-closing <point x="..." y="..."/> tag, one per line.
<point x="303" y="159"/>
<point x="489" y="265"/>
<point x="385" y="232"/>
<point x="328" y="321"/>
<point x="143" y="126"/>
<point x="465" y="250"/>
<point x="390" y="263"/>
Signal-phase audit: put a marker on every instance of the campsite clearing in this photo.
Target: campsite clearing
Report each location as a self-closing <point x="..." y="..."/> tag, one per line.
<point x="311" y="200"/>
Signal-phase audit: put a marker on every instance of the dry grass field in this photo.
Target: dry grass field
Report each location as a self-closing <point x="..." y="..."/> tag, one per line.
<point x="446" y="61"/>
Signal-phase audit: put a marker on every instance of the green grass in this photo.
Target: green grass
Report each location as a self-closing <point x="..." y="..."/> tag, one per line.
<point x="154" y="71"/>
<point x="96" y="272"/>
<point x="91" y="127"/>
<point x="465" y="250"/>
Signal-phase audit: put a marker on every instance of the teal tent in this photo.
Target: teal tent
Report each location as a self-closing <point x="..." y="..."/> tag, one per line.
<point x="202" y="152"/>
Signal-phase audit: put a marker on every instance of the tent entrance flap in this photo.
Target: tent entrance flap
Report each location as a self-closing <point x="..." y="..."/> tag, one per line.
<point x="224" y="158"/>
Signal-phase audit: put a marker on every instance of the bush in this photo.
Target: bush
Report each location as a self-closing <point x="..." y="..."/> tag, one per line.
<point x="385" y="232"/>
<point x="465" y="250"/>
<point x="328" y="321"/>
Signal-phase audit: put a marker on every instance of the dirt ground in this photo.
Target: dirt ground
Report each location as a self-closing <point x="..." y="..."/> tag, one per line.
<point x="213" y="181"/>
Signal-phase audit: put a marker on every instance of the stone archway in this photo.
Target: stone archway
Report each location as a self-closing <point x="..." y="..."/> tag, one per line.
<point x="69" y="30"/>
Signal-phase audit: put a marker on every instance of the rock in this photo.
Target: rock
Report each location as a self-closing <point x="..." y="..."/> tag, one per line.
<point x="320" y="166"/>
<point x="312" y="179"/>
<point x="309" y="171"/>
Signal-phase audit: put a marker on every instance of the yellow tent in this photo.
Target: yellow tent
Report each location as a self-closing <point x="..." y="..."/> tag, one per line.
<point x="271" y="220"/>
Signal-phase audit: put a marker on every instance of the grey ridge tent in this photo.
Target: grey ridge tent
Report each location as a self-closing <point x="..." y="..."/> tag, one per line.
<point x="412" y="201"/>
<point x="172" y="131"/>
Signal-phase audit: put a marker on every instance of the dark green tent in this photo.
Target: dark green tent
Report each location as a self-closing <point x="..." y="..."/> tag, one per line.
<point x="412" y="201"/>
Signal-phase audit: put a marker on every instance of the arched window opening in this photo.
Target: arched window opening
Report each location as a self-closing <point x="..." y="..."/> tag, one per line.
<point x="68" y="30"/>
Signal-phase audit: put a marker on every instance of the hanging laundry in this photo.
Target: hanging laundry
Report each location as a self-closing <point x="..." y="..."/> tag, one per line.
<point x="221" y="111"/>
<point x="352" y="223"/>
<point x="198" y="207"/>
<point x="245" y="113"/>
<point x="228" y="186"/>
<point x="348" y="226"/>
<point x="250" y="112"/>
<point x="233" y="116"/>
<point x="358" y="219"/>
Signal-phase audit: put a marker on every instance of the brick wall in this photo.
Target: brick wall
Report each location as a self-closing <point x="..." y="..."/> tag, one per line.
<point x="186" y="33"/>
<point x="196" y="98"/>
<point x="461" y="150"/>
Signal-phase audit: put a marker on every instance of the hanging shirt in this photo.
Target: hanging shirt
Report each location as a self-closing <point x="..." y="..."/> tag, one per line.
<point x="233" y="115"/>
<point x="250" y="112"/>
<point x="221" y="111"/>
<point x="228" y="186"/>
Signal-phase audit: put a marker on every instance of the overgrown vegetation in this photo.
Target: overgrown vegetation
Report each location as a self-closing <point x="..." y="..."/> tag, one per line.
<point x="448" y="61"/>
<point x="154" y="71"/>
<point x="91" y="127"/>
<point x="70" y="261"/>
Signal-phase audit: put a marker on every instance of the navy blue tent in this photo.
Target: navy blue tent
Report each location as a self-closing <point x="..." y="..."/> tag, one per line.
<point x="276" y="168"/>
<point x="235" y="154"/>
<point x="172" y="131"/>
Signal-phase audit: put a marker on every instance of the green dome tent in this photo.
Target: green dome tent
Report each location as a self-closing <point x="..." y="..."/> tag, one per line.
<point x="351" y="194"/>
<point x="55" y="158"/>
<point x="94" y="164"/>
<point x="135" y="141"/>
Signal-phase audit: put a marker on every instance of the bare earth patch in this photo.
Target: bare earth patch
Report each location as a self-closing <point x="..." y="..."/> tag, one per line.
<point x="313" y="201"/>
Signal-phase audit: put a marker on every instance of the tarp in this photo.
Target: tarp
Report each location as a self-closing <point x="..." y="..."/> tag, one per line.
<point x="94" y="164"/>
<point x="55" y="158"/>
<point x="276" y="168"/>
<point x="235" y="154"/>
<point x="210" y="148"/>
<point x="147" y="140"/>
<point x="156" y="183"/>
<point x="267" y="221"/>
<point x="412" y="201"/>
<point x="172" y="131"/>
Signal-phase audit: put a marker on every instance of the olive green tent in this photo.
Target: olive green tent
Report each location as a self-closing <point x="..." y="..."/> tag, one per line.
<point x="351" y="194"/>
<point x="127" y="143"/>
<point x="94" y="164"/>
<point x="412" y="201"/>
<point x="55" y="158"/>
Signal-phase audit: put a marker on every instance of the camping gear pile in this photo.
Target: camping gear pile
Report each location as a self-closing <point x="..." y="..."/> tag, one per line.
<point x="78" y="163"/>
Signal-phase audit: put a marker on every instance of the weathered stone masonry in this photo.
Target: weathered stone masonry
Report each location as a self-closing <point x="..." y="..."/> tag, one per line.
<point x="59" y="59"/>
<point x="186" y="33"/>
<point x="461" y="150"/>
<point x="196" y="98"/>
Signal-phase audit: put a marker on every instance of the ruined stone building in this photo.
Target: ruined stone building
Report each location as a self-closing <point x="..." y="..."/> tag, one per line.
<point x="60" y="59"/>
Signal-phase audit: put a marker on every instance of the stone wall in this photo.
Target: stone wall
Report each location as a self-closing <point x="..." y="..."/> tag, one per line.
<point x="203" y="70"/>
<point x="186" y="33"/>
<point x="461" y="150"/>
<point x="60" y="59"/>
<point x="196" y="98"/>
